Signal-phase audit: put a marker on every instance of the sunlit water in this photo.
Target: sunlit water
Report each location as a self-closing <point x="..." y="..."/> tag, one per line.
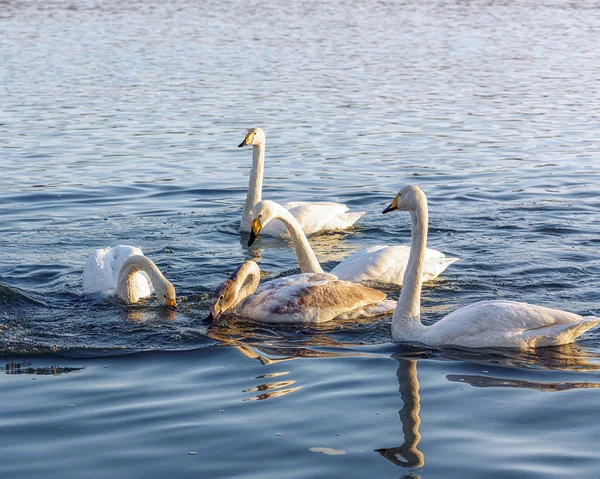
<point x="119" y="125"/>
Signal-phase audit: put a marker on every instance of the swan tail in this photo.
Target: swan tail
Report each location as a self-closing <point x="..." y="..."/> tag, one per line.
<point x="561" y="333"/>
<point x="386" y="306"/>
<point x="348" y="219"/>
<point x="436" y="267"/>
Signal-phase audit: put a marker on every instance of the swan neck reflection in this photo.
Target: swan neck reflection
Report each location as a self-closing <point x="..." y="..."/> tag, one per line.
<point x="407" y="455"/>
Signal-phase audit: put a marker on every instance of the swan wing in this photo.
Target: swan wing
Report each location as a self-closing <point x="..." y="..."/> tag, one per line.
<point x="386" y="306"/>
<point x="306" y="298"/>
<point x="101" y="271"/>
<point x="508" y="324"/>
<point x="386" y="264"/>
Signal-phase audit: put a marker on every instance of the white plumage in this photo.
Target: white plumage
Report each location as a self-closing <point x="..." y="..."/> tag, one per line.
<point x="101" y="271"/>
<point x="315" y="217"/>
<point x="312" y="217"/>
<point x="376" y="264"/>
<point x="505" y="324"/>
<point x="386" y="264"/>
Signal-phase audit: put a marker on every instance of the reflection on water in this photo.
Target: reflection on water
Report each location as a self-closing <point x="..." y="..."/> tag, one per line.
<point x="567" y="357"/>
<point x="270" y="353"/>
<point x="492" y="382"/>
<point x="407" y="455"/>
<point x="27" y="368"/>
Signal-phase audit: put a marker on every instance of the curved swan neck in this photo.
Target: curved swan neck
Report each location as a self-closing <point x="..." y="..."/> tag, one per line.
<point x="407" y="316"/>
<point x="306" y="257"/>
<point x="246" y="278"/>
<point x="125" y="284"/>
<point x="255" y="185"/>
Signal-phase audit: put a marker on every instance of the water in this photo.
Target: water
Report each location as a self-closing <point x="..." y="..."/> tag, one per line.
<point x="120" y="123"/>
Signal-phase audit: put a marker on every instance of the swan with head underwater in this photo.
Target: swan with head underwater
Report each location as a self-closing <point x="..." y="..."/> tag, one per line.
<point x="376" y="264"/>
<point x="312" y="217"/>
<point x="126" y="270"/>
<point x="499" y="323"/>
<point x="299" y="298"/>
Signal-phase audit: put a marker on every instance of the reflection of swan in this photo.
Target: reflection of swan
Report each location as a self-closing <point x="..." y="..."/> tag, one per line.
<point x="407" y="455"/>
<point x="483" y="324"/>
<point x="381" y="264"/>
<point x="491" y="382"/>
<point x="300" y="298"/>
<point x="313" y="217"/>
<point x="129" y="272"/>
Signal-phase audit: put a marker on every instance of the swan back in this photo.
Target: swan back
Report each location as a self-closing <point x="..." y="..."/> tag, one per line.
<point x="306" y="298"/>
<point x="101" y="271"/>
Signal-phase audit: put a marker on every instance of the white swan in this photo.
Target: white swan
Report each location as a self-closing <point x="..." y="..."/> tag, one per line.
<point x="299" y="298"/>
<point x="507" y="324"/>
<point x="380" y="264"/>
<point x="126" y="270"/>
<point x="313" y="217"/>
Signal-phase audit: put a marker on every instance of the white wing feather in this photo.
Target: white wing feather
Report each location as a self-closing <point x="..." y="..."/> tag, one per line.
<point x="386" y="264"/>
<point x="101" y="270"/>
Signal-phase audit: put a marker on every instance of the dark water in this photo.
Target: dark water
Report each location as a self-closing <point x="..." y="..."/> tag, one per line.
<point x="119" y="124"/>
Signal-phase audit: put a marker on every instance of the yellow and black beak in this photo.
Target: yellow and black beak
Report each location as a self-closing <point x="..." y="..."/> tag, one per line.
<point x="256" y="227"/>
<point x="171" y="303"/>
<point x="393" y="205"/>
<point x="247" y="140"/>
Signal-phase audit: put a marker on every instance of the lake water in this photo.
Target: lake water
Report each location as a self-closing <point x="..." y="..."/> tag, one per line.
<point x="119" y="124"/>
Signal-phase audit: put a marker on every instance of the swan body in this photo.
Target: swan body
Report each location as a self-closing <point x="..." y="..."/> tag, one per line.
<point x="386" y="264"/>
<point x="507" y="324"/>
<point x="376" y="264"/>
<point x="101" y="271"/>
<point x="136" y="276"/>
<point x="312" y="217"/>
<point x="301" y="298"/>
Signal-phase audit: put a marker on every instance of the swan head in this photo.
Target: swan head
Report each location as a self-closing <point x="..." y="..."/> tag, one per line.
<point x="165" y="292"/>
<point x="224" y="298"/>
<point x="407" y="199"/>
<point x="242" y="282"/>
<point x="255" y="136"/>
<point x="263" y="212"/>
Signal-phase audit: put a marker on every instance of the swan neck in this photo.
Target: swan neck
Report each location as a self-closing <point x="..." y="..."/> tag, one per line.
<point x="247" y="279"/>
<point x="133" y="264"/>
<point x="306" y="257"/>
<point x="406" y="322"/>
<point x="255" y="185"/>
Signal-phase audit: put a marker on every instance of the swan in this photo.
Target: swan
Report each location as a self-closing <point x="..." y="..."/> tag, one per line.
<point x="380" y="264"/>
<point x="498" y="323"/>
<point x="126" y="270"/>
<point x="313" y="217"/>
<point x="299" y="298"/>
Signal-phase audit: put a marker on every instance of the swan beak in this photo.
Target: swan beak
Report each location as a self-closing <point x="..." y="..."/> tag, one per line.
<point x="214" y="314"/>
<point x="247" y="140"/>
<point x="171" y="303"/>
<point x="393" y="206"/>
<point x="256" y="227"/>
